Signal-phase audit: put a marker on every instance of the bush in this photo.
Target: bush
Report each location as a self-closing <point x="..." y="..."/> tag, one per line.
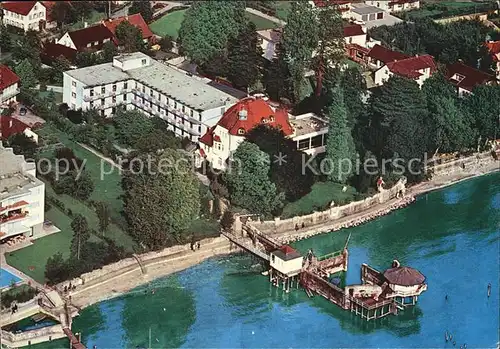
<point x="227" y="220"/>
<point x="19" y="294"/>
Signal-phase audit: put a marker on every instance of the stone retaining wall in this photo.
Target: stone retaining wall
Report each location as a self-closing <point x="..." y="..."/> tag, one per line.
<point x="454" y="166"/>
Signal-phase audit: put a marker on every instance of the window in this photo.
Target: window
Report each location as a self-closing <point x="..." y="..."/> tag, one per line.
<point x="124" y="97"/>
<point x="364" y="18"/>
<point x="91" y="104"/>
<point x="143" y="62"/>
<point x="380" y="15"/>
<point x="92" y="92"/>
<point x="372" y="16"/>
<point x="88" y="45"/>
<point x="102" y="101"/>
<point x="271" y="118"/>
<point x="125" y="85"/>
<point x="199" y="129"/>
<point x="158" y="108"/>
<point x="264" y="121"/>
<point x="241" y="131"/>
<point x="183" y="109"/>
<point x="304" y="144"/>
<point x="103" y="89"/>
<point x="350" y="40"/>
<point x="222" y="110"/>
<point x="191" y="113"/>
<point x="317" y="141"/>
<point x="114" y="88"/>
<point x="273" y="258"/>
<point x="96" y="43"/>
<point x="113" y="99"/>
<point x="143" y="89"/>
<point x="73" y="83"/>
<point x="73" y="94"/>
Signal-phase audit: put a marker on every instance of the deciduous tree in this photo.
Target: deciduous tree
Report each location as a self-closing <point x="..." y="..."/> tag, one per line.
<point x="26" y="73"/>
<point x="109" y="50"/>
<point x="81" y="234"/>
<point x="23" y="145"/>
<point x="162" y="199"/>
<point x="60" y="65"/>
<point x="248" y="181"/>
<point x="130" y="126"/>
<point x="130" y="36"/>
<point x="142" y="7"/>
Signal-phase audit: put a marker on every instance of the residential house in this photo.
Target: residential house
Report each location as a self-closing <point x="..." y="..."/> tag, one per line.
<point x="269" y="38"/>
<point x="465" y="78"/>
<point x="372" y="16"/>
<point x="136" y="81"/>
<point x="418" y="68"/>
<point x="343" y="6"/>
<point x="355" y="34"/>
<point x="9" y="86"/>
<point x="90" y="38"/>
<point x="378" y="56"/>
<point x="24" y="14"/>
<point x="51" y="51"/>
<point x="14" y="124"/>
<point x="494" y="48"/>
<point x="395" y="5"/>
<point x="22" y="196"/>
<point x="136" y="20"/>
<point x="220" y="141"/>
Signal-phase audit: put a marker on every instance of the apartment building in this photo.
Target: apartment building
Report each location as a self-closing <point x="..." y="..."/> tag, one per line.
<point x="9" y="86"/>
<point x="188" y="104"/>
<point x="24" y="14"/>
<point x="22" y="196"/>
<point x="219" y="142"/>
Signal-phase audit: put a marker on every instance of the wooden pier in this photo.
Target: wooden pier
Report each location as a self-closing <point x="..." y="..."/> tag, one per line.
<point x="378" y="295"/>
<point x="75" y="342"/>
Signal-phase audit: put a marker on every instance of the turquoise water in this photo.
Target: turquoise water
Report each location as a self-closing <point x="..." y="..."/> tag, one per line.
<point x="6" y="278"/>
<point x="452" y="236"/>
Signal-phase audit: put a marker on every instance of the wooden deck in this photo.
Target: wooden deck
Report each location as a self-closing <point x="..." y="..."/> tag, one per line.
<point x="75" y="343"/>
<point x="243" y="243"/>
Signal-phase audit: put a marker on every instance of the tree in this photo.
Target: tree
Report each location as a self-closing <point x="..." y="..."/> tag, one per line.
<point x="484" y="111"/>
<point x="161" y="200"/>
<point x="60" y="65"/>
<point x="244" y="57"/>
<point x="208" y="26"/>
<point x="84" y="186"/>
<point x="55" y="269"/>
<point x="277" y="79"/>
<point x="330" y="49"/>
<point x="340" y="150"/>
<point x="82" y="9"/>
<point x="166" y="43"/>
<point x="5" y="39"/>
<point x="227" y="220"/>
<point x="26" y="73"/>
<point x="299" y="40"/>
<point x="398" y="128"/>
<point x="109" y="50"/>
<point x="248" y="180"/>
<point x="104" y="215"/>
<point x="81" y="234"/>
<point x="130" y="36"/>
<point x="131" y="125"/>
<point x="287" y="175"/>
<point x="85" y="59"/>
<point x="157" y="140"/>
<point x="61" y="12"/>
<point x="142" y="7"/>
<point x="28" y="47"/>
<point x="23" y="145"/>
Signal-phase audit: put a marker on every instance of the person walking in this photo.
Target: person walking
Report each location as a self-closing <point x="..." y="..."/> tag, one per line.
<point x="489" y="290"/>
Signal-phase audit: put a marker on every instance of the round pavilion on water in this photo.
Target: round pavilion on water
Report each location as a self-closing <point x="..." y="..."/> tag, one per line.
<point x="405" y="283"/>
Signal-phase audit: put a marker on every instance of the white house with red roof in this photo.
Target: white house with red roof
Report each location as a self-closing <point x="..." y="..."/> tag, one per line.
<point x="221" y="140"/>
<point x="395" y="5"/>
<point x="344" y="6"/>
<point x="24" y="14"/>
<point x="418" y="68"/>
<point x="494" y="48"/>
<point x="465" y="78"/>
<point x="9" y="86"/>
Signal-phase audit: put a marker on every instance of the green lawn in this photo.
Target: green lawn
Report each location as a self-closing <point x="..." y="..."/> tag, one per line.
<point x="36" y="255"/>
<point x="59" y="96"/>
<point x="171" y="23"/>
<point x="108" y="187"/>
<point x="321" y="195"/>
<point x="282" y="9"/>
<point x="168" y="24"/>
<point x="203" y="228"/>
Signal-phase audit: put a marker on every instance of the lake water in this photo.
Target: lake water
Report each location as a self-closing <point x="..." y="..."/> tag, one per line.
<point x="452" y="236"/>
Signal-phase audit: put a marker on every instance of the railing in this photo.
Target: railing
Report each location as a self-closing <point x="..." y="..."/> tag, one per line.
<point x="369" y="306"/>
<point x="6" y="95"/>
<point x="13" y="217"/>
<point x="330" y="255"/>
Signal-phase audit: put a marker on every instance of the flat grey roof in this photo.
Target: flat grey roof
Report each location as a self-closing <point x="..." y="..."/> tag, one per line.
<point x="13" y="179"/>
<point x="364" y="9"/>
<point x="161" y="77"/>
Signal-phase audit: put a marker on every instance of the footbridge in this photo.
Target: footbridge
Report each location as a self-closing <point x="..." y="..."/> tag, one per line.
<point x="246" y="245"/>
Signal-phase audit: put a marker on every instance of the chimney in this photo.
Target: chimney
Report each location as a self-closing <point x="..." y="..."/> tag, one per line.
<point x="85" y="25"/>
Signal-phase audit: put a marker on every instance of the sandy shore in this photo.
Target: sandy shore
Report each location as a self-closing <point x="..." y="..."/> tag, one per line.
<point x="99" y="290"/>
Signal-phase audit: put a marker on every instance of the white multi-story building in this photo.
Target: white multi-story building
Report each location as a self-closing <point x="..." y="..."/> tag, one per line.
<point x="22" y="196"/>
<point x="9" y="86"/>
<point x="188" y="104"/>
<point x="395" y="5"/>
<point x="24" y="14"/>
<point x="219" y="142"/>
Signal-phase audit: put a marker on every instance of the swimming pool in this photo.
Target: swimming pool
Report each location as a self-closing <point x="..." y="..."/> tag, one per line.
<point x="6" y="278"/>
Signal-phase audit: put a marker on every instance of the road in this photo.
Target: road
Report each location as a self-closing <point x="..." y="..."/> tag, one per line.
<point x="169" y="5"/>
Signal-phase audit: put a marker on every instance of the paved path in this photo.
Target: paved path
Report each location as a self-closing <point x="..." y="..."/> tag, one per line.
<point x="263" y="15"/>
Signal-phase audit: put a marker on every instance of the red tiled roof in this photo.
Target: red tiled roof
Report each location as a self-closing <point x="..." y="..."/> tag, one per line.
<point x="20" y="7"/>
<point x="324" y="3"/>
<point x="385" y="55"/>
<point x="494" y="47"/>
<point x="81" y="38"/>
<point x="410" y="67"/>
<point x="471" y="76"/>
<point x="7" y="77"/>
<point x="10" y="126"/>
<point x="287" y="249"/>
<point x="404" y="276"/>
<point x="257" y="110"/>
<point x="51" y="51"/>
<point x="135" y="20"/>
<point x="202" y="153"/>
<point x="353" y="30"/>
<point x="396" y="2"/>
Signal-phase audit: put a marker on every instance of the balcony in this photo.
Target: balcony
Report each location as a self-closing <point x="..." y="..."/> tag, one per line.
<point x="7" y="95"/>
<point x="13" y="217"/>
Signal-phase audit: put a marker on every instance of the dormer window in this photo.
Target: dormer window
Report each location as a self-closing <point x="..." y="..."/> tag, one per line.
<point x="241" y="131"/>
<point x="271" y="118"/>
<point x="265" y="121"/>
<point x="457" y="77"/>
